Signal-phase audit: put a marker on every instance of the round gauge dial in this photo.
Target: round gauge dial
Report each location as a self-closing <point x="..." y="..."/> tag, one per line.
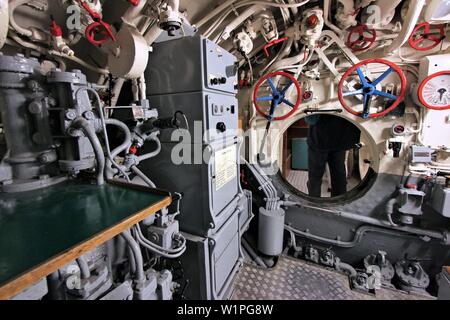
<point x="434" y="92"/>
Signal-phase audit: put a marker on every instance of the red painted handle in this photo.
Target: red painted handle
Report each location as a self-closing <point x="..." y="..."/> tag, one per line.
<point x="272" y="43"/>
<point x="99" y="28"/>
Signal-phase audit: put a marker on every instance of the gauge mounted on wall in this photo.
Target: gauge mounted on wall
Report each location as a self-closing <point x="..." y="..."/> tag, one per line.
<point x="434" y="91"/>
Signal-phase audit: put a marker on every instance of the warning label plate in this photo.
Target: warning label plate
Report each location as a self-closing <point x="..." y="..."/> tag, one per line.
<point x="225" y="166"/>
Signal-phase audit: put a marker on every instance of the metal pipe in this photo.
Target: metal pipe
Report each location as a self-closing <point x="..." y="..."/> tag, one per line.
<point x="281" y="64"/>
<point x="142" y="87"/>
<point x="116" y="91"/>
<point x="444" y="236"/>
<point x="12" y="7"/>
<point x="132" y="260"/>
<point x="4" y="21"/>
<point x="152" y="34"/>
<point x="214" y="12"/>
<point x="55" y="53"/>
<point x="167" y="253"/>
<point x="85" y="273"/>
<point x="134" y="246"/>
<point x="414" y="10"/>
<point x="239" y="20"/>
<point x="143" y="176"/>
<point x="390" y="211"/>
<point x="174" y="5"/>
<point x="359" y="234"/>
<point x="54" y="286"/>
<point x="84" y="125"/>
<point x="153" y="153"/>
<point x="134" y="12"/>
<point x="344" y="267"/>
<point x="252" y="253"/>
<point x="326" y="12"/>
<point x="127" y="140"/>
<point x="218" y="22"/>
<point x="105" y="132"/>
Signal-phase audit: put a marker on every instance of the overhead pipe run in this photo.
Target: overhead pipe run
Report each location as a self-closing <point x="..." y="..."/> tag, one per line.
<point x="326" y="13"/>
<point x="442" y="236"/>
<point x="414" y="11"/>
<point x="214" y="12"/>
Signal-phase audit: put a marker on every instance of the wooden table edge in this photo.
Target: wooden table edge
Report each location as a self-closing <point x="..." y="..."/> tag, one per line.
<point x="30" y="277"/>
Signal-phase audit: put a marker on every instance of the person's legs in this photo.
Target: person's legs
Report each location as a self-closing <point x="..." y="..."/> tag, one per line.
<point x="317" y="161"/>
<point x="336" y="162"/>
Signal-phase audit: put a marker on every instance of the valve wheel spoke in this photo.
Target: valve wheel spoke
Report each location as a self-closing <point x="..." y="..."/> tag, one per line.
<point x="362" y="77"/>
<point x="286" y="88"/>
<point x="366" y="106"/>
<point x="382" y="77"/>
<point x="290" y="104"/>
<point x="267" y="98"/>
<point x="272" y="86"/>
<point x="352" y="93"/>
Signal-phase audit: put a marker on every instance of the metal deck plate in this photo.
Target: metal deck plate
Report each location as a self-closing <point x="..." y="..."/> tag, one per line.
<point x="294" y="279"/>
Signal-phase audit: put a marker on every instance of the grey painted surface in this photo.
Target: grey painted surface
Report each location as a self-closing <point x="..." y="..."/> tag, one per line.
<point x="371" y="204"/>
<point x="295" y="279"/>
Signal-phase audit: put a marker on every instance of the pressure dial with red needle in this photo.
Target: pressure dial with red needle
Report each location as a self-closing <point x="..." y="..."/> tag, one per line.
<point x="434" y="91"/>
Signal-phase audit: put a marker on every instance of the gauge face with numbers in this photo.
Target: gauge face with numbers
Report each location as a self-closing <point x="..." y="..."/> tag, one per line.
<point x="434" y="92"/>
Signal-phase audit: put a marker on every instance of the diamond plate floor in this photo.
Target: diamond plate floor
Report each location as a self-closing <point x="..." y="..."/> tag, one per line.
<point x="294" y="279"/>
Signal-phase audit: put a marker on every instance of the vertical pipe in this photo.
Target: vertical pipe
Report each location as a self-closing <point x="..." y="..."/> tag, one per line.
<point x="138" y="260"/>
<point x="326" y="13"/>
<point x="85" y="273"/>
<point x="4" y="21"/>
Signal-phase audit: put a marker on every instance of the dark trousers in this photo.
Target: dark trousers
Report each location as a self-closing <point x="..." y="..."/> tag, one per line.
<point x="317" y="161"/>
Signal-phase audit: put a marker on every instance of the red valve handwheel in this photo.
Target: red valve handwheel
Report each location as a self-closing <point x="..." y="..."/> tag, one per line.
<point x="97" y="28"/>
<point x="277" y="97"/>
<point x="365" y="38"/>
<point x="98" y="33"/>
<point x="368" y="88"/>
<point x="423" y="32"/>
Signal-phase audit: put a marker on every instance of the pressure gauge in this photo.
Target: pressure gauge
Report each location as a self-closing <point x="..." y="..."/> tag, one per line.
<point x="434" y="91"/>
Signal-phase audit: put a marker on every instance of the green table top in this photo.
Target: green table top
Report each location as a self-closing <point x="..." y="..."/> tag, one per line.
<point x="38" y="225"/>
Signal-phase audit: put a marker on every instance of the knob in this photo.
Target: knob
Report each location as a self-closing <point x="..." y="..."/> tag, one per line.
<point x="221" y="127"/>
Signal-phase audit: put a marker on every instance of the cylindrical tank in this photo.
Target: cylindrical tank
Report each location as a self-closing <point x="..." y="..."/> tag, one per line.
<point x="271" y="231"/>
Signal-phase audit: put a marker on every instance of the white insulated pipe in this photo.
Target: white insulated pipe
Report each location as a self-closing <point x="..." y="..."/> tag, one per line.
<point x="134" y="12"/>
<point x="4" y="21"/>
<point x="152" y="34"/>
<point x="240" y="19"/>
<point x="174" y="5"/>
<point x="414" y="11"/>
<point x="12" y="7"/>
<point x="214" y="12"/>
<point x="326" y="13"/>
